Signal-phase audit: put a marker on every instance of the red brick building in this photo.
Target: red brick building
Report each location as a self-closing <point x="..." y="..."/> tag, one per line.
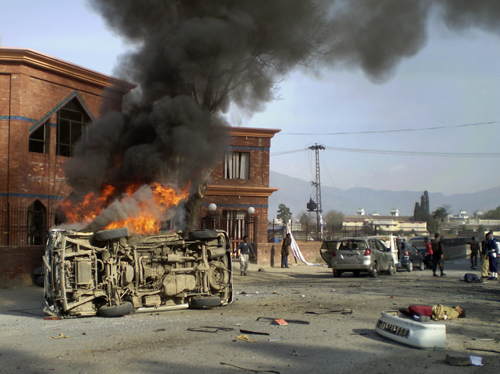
<point x="240" y="183"/>
<point x="44" y="106"/>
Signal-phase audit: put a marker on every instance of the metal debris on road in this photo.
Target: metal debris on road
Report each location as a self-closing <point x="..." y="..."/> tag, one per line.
<point x="211" y="329"/>
<point x="297" y="321"/>
<point x="60" y="336"/>
<point x="251" y="370"/>
<point x="342" y="311"/>
<point x="246" y="339"/>
<point x="253" y="332"/>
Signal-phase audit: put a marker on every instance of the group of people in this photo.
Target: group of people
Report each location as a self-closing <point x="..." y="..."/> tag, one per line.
<point x="488" y="251"/>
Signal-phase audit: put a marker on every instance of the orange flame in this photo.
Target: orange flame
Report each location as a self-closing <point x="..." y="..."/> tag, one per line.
<point x="152" y="210"/>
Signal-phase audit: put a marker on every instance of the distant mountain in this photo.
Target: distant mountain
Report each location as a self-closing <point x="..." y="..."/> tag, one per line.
<point x="295" y="194"/>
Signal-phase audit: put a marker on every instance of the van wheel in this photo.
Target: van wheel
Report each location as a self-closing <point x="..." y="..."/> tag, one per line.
<point x="421" y="265"/>
<point x="202" y="302"/>
<point x="116" y="311"/>
<point x="111" y="234"/>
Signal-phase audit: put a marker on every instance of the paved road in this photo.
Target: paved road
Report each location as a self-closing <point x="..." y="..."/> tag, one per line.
<point x="333" y="342"/>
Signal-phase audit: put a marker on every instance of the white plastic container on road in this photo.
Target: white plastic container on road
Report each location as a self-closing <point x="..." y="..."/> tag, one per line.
<point x="406" y="331"/>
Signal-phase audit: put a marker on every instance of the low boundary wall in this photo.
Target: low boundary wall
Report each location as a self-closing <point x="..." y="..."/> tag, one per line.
<point x="18" y="263"/>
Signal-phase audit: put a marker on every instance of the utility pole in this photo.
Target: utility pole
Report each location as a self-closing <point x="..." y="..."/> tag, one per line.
<point x="319" y="211"/>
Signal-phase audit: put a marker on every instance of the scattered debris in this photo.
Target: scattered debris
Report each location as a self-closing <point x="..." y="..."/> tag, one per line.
<point x="159" y="330"/>
<point x="277" y="339"/>
<point x="483" y="350"/>
<point x="253" y="332"/>
<point x="60" y="336"/>
<point x="297" y="321"/>
<point x="246" y="339"/>
<point x="295" y="353"/>
<point x="280" y="322"/>
<point x="342" y="311"/>
<point x="458" y="360"/>
<point x="262" y="269"/>
<point x="211" y="329"/>
<point x="471" y="278"/>
<point x="52" y="318"/>
<point x="252" y="370"/>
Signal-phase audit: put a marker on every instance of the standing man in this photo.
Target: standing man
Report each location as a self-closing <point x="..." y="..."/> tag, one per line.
<point x="438" y="256"/>
<point x="285" y="250"/>
<point x="474" y="251"/>
<point x="243" y="251"/>
<point x="485" y="262"/>
<point x="493" y="251"/>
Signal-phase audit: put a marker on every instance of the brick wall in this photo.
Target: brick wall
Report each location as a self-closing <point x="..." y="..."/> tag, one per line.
<point x="18" y="263"/>
<point x="270" y="253"/>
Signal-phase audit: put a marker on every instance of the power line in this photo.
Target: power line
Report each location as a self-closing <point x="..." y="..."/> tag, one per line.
<point x="390" y="131"/>
<point x="412" y="153"/>
<point x="401" y="153"/>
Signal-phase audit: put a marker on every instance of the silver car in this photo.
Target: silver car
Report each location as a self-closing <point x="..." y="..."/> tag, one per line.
<point x="358" y="255"/>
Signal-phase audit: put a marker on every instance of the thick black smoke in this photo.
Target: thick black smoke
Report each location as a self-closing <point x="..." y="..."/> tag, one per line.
<point x="192" y="58"/>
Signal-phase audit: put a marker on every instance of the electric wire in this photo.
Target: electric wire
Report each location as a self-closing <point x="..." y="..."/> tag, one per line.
<point x="391" y="131"/>
<point x="399" y="153"/>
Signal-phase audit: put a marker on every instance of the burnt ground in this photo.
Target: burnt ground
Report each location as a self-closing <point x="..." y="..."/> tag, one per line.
<point x="332" y="342"/>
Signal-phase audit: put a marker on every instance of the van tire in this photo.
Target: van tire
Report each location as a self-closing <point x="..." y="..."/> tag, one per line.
<point x="116" y="311"/>
<point x="111" y="234"/>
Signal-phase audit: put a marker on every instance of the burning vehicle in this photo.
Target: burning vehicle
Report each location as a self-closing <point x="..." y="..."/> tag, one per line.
<point x="112" y="273"/>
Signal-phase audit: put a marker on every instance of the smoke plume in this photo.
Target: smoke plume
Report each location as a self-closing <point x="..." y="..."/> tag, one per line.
<point x="192" y="58"/>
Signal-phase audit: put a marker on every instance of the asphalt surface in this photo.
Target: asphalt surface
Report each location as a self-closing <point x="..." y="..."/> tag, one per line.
<point x="332" y="342"/>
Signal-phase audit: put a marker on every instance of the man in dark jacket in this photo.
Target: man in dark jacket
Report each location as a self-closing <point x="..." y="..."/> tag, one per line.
<point x="243" y="252"/>
<point x="438" y="255"/>
<point x="474" y="251"/>
<point x="285" y="250"/>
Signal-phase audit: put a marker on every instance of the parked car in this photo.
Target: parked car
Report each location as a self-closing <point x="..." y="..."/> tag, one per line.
<point x="111" y="273"/>
<point x="358" y="255"/>
<point x="412" y="258"/>
<point x="418" y="244"/>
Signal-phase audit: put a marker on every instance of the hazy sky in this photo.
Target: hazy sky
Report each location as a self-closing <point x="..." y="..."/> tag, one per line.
<point x="453" y="81"/>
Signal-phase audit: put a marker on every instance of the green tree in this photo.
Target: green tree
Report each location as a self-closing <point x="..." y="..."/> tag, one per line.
<point x="333" y="220"/>
<point x="284" y="213"/>
<point x="492" y="214"/>
<point x="440" y="216"/>
<point x="305" y="220"/>
<point x="421" y="211"/>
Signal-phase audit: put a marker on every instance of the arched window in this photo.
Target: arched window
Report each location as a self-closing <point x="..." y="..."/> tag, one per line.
<point x="71" y="126"/>
<point x="37" y="218"/>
